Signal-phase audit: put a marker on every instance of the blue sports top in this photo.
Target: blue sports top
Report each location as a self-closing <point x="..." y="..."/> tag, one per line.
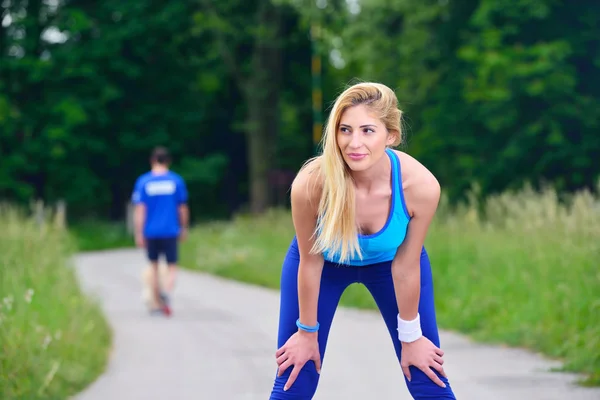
<point x="382" y="246"/>
<point x="162" y="194"/>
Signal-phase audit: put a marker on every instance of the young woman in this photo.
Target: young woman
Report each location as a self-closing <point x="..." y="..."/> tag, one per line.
<point x="361" y="211"/>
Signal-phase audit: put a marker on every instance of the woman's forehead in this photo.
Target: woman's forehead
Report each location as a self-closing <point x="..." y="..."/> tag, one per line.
<point x="359" y="115"/>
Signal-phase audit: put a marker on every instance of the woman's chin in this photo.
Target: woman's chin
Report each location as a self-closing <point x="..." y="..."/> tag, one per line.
<point x="357" y="165"/>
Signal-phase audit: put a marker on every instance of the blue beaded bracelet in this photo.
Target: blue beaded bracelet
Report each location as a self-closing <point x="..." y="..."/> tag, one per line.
<point x="306" y="327"/>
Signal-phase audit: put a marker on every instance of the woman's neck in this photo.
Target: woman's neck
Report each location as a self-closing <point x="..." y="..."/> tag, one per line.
<point x="378" y="174"/>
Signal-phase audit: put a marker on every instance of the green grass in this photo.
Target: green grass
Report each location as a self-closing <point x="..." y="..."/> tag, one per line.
<point x="524" y="272"/>
<point x="53" y="340"/>
<point x="98" y="235"/>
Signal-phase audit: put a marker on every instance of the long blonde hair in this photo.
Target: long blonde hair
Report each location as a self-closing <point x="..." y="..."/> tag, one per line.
<point x="336" y="229"/>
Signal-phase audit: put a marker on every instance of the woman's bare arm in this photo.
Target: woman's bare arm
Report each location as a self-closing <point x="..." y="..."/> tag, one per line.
<point x="304" y="202"/>
<point x="422" y="197"/>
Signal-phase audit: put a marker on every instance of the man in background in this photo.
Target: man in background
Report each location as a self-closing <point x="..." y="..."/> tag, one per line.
<point x="161" y="218"/>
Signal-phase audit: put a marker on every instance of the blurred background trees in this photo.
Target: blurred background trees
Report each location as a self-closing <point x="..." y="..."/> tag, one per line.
<point x="495" y="93"/>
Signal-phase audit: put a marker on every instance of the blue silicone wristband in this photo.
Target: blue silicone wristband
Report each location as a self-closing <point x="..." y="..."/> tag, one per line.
<point x="306" y="327"/>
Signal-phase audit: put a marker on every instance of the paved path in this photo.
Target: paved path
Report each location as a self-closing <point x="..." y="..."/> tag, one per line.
<point x="220" y="342"/>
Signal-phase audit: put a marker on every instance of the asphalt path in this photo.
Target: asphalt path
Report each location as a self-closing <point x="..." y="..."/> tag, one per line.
<point x="219" y="344"/>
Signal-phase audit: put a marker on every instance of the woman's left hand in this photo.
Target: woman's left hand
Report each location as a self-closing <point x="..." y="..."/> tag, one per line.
<point x="424" y="355"/>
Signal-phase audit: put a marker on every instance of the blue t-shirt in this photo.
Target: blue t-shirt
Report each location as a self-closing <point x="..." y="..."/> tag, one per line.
<point x="162" y="194"/>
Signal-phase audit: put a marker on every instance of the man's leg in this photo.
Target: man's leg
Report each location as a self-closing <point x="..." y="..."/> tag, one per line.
<point x="378" y="280"/>
<point x="153" y="250"/>
<point x="172" y="256"/>
<point x="170" y="248"/>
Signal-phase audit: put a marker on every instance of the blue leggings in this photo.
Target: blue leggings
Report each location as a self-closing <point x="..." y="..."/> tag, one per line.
<point x="335" y="279"/>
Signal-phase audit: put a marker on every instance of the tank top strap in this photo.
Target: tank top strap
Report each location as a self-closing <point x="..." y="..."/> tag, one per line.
<point x="395" y="172"/>
<point x="398" y="191"/>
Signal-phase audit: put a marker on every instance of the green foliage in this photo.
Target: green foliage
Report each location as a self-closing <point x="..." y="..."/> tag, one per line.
<point x="131" y="75"/>
<point x="124" y="81"/>
<point x="520" y="269"/>
<point x="208" y="171"/>
<point x="526" y="81"/>
<point x="494" y="92"/>
<point x="94" y="235"/>
<point x="54" y="341"/>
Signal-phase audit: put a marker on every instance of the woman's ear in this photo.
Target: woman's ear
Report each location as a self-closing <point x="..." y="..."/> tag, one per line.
<point x="392" y="137"/>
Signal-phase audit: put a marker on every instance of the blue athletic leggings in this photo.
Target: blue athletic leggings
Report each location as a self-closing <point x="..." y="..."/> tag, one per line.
<point x="335" y="279"/>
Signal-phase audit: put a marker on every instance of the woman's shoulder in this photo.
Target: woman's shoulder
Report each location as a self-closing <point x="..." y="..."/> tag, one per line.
<point x="308" y="183"/>
<point x="419" y="184"/>
<point x="413" y="171"/>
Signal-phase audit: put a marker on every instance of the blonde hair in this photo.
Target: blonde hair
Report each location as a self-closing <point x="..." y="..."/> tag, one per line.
<point x="336" y="229"/>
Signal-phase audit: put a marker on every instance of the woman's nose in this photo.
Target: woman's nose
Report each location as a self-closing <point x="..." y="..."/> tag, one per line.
<point x="355" y="142"/>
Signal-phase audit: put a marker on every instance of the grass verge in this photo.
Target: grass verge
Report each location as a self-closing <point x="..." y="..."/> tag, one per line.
<point x="521" y="269"/>
<point x="53" y="340"/>
<point x="98" y="235"/>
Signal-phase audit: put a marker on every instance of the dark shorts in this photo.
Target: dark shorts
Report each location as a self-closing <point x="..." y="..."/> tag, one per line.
<point x="165" y="246"/>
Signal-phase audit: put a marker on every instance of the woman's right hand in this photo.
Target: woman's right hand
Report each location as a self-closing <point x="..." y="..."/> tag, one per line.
<point x="299" y="348"/>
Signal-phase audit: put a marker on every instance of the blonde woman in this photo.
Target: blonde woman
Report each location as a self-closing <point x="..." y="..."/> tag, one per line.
<point x="361" y="211"/>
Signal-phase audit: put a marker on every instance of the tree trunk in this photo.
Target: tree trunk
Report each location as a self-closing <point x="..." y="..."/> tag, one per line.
<point x="259" y="159"/>
<point x="262" y="92"/>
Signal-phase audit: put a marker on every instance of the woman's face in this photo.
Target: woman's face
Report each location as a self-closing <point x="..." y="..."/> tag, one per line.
<point x="362" y="138"/>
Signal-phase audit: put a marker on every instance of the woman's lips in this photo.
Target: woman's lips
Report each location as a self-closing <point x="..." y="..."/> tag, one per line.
<point x="356" y="156"/>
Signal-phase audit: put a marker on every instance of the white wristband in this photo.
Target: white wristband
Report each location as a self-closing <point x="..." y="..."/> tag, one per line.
<point x="409" y="331"/>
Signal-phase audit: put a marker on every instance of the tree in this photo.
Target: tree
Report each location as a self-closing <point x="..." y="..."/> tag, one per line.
<point x="251" y="48"/>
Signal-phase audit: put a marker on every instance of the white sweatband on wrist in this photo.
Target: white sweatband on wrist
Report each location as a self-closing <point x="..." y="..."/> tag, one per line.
<point x="409" y="331"/>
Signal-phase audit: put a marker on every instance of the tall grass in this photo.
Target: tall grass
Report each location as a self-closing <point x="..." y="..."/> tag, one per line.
<point x="526" y="272"/>
<point x="53" y="340"/>
<point x="522" y="269"/>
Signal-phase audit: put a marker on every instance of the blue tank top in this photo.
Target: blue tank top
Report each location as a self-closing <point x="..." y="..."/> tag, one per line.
<point x="382" y="246"/>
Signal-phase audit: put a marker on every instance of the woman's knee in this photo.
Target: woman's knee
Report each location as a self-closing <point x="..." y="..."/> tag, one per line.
<point x="422" y="387"/>
<point x="303" y="388"/>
